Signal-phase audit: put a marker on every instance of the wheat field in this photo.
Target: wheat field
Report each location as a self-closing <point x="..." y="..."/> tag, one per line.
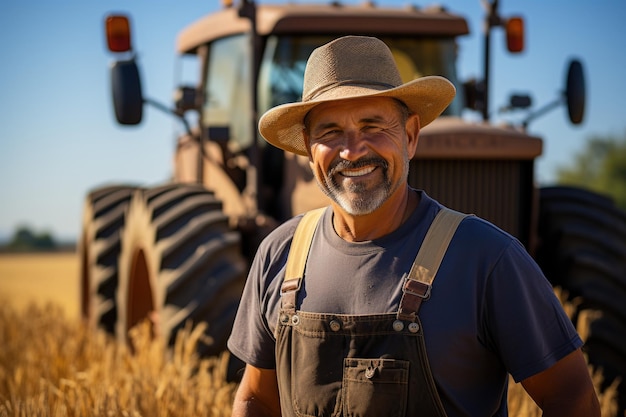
<point x="52" y="365"/>
<point x="41" y="278"/>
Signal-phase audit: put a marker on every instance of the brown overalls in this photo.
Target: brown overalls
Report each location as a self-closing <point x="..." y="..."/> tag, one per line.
<point x="359" y="365"/>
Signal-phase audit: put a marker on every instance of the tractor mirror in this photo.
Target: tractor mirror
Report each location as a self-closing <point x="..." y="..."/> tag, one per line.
<point x="126" y="88"/>
<point x="575" y="92"/>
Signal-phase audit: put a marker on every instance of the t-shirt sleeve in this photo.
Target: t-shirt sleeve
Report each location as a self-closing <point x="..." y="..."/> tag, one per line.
<point x="252" y="338"/>
<point x="527" y="323"/>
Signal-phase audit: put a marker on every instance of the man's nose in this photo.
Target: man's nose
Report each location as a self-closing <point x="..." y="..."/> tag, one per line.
<point x="353" y="147"/>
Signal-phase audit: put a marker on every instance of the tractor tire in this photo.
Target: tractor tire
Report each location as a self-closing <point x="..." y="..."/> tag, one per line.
<point x="583" y="250"/>
<point x="98" y="249"/>
<point x="180" y="262"/>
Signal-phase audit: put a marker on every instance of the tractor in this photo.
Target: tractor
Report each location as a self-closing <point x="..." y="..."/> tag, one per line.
<point x="179" y="251"/>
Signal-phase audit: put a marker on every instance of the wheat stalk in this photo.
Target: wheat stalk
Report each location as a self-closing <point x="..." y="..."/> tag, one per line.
<point x="54" y="367"/>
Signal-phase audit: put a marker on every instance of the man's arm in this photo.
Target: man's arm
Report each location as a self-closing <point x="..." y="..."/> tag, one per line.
<point x="564" y="389"/>
<point x="257" y="395"/>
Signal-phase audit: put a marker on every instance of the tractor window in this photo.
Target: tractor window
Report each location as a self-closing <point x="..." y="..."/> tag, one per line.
<point x="282" y="69"/>
<point x="227" y="97"/>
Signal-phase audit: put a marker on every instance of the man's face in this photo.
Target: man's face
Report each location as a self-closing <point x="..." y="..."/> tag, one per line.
<point x="360" y="150"/>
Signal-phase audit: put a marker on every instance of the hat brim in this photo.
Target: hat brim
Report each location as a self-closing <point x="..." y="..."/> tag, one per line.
<point x="427" y="97"/>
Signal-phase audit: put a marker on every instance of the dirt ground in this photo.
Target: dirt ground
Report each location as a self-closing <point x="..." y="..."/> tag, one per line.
<point x="40" y="278"/>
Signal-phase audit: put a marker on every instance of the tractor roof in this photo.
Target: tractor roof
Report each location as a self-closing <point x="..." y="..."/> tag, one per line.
<point x="324" y="19"/>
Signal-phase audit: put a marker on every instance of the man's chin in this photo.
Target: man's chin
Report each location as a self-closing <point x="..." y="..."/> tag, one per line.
<point x="360" y="204"/>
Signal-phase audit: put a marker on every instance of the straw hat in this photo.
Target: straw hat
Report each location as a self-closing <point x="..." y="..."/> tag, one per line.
<point x="349" y="67"/>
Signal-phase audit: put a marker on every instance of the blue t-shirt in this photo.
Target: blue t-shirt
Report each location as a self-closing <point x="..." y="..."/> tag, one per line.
<point x="491" y="311"/>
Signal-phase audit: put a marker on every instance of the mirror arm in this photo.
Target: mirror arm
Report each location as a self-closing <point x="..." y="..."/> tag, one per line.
<point x="166" y="109"/>
<point x="543" y="110"/>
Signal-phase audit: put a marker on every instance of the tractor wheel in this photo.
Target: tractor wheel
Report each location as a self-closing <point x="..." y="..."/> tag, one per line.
<point x="179" y="262"/>
<point x="583" y="250"/>
<point x="99" y="246"/>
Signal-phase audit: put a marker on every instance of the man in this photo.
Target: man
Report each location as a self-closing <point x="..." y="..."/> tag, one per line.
<point x="352" y="332"/>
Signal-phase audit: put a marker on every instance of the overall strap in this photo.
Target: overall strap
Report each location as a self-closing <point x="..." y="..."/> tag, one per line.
<point x="419" y="282"/>
<point x="298" y="254"/>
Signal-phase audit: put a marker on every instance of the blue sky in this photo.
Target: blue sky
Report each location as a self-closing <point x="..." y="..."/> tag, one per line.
<point x="58" y="137"/>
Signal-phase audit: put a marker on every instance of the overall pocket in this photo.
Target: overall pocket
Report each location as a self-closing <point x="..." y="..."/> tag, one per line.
<point x="375" y="387"/>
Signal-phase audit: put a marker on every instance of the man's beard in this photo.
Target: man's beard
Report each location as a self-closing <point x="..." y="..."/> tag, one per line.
<point x="358" y="198"/>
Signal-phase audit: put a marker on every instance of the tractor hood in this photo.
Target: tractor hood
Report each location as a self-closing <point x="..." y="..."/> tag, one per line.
<point x="453" y="138"/>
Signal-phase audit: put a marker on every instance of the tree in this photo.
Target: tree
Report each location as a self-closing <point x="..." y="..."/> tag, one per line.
<point x="24" y="239"/>
<point x="600" y="167"/>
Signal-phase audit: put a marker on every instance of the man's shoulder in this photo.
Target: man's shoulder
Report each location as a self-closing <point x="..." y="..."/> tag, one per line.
<point x="476" y="224"/>
<point x="280" y="238"/>
<point x="284" y="232"/>
<point x="479" y="237"/>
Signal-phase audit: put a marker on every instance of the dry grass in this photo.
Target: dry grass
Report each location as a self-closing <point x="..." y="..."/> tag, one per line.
<point x="41" y="278"/>
<point x="50" y="366"/>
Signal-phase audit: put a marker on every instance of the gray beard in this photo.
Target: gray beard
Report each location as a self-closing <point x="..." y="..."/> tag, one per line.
<point x="362" y="200"/>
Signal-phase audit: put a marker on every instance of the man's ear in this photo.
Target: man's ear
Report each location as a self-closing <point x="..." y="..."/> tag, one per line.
<point x="412" y="133"/>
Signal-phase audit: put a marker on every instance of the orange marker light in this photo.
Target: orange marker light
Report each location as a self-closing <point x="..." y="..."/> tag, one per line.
<point x="515" y="34"/>
<point x="118" y="33"/>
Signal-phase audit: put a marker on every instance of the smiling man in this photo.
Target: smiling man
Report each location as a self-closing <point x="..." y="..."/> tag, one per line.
<point x="387" y="303"/>
<point x="360" y="151"/>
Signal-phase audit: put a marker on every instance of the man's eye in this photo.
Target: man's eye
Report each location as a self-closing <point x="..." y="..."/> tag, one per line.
<point x="329" y="134"/>
<point x="372" y="129"/>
